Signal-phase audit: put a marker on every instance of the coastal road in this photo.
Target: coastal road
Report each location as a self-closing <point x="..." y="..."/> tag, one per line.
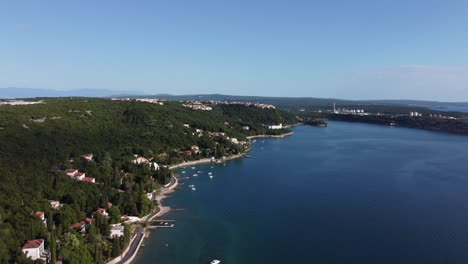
<point x="134" y="246"/>
<point x="140" y="232"/>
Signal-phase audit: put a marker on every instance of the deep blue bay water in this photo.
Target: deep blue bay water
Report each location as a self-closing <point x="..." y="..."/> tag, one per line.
<point x="348" y="193"/>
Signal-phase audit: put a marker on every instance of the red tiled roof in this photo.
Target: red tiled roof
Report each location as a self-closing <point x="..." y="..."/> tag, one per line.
<point x="39" y="213"/>
<point x="33" y="243"/>
<point x="70" y="171"/>
<point x="80" y="174"/>
<point x="77" y="225"/>
<point x="88" y="155"/>
<point x="89" y="220"/>
<point x="87" y="179"/>
<point x="101" y="210"/>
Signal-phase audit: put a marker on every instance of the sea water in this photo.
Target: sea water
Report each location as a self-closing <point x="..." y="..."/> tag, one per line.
<point x="347" y="193"/>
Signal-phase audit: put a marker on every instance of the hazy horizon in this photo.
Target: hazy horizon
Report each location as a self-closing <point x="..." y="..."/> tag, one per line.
<point x="357" y="50"/>
<point x="87" y="92"/>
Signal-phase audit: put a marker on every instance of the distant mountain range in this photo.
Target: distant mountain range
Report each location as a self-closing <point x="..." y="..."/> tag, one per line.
<point x="282" y="102"/>
<point x="10" y="93"/>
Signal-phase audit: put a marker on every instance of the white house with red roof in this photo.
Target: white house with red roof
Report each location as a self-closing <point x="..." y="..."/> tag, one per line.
<point x="80" y="226"/>
<point x="195" y="149"/>
<point x="80" y="176"/>
<point x="34" y="249"/>
<point x="41" y="215"/>
<point x="102" y="211"/>
<point x="88" y="157"/>
<point x="88" y="179"/>
<point x="140" y="160"/>
<point x="71" y="172"/>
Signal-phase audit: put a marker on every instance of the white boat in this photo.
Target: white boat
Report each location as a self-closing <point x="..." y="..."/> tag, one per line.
<point x="211" y="176"/>
<point x="195" y="175"/>
<point x="215" y="261"/>
<point x="199" y="171"/>
<point x="191" y="185"/>
<point x="209" y="173"/>
<point x="193" y="168"/>
<point x="194" y="189"/>
<point x="183" y="171"/>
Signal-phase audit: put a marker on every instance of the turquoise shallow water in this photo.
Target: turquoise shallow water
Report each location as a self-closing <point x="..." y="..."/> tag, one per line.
<point x="348" y="193"/>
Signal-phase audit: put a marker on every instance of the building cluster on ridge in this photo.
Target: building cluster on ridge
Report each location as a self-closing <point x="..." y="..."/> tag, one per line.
<point x="145" y="100"/>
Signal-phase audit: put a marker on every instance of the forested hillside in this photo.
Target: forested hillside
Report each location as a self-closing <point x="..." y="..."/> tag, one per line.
<point x="39" y="142"/>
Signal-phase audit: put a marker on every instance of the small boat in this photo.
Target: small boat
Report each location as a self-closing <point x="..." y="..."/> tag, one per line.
<point x="209" y="173"/>
<point x="248" y="156"/>
<point x="254" y="141"/>
<point x="195" y="175"/>
<point x="183" y="171"/>
<point x="194" y="189"/>
<point x="193" y="168"/>
<point x="199" y="171"/>
<point x="211" y="176"/>
<point x="191" y="185"/>
<point x="215" y="261"/>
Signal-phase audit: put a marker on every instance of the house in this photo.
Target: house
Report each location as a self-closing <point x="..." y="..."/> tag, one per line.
<point x="234" y="140"/>
<point x="140" y="160"/>
<point x="34" y="249"/>
<point x="217" y="134"/>
<point x="80" y="227"/>
<point x="154" y="165"/>
<point x="280" y="126"/>
<point x="117" y="231"/>
<point x="88" y="221"/>
<point x="195" y="149"/>
<point x="150" y="196"/>
<point x="54" y="204"/>
<point x="80" y="176"/>
<point x="246" y="127"/>
<point x="88" y="179"/>
<point x="88" y="157"/>
<point x="41" y="215"/>
<point x="71" y="172"/>
<point x="102" y="211"/>
<point x="187" y="125"/>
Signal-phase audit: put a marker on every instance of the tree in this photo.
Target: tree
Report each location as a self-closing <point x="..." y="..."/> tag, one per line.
<point x="115" y="214"/>
<point x="116" y="249"/>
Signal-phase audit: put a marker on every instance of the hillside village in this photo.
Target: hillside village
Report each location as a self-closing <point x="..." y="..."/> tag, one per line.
<point x="87" y="196"/>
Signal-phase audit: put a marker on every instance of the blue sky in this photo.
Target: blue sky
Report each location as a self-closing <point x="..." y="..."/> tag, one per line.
<point x="344" y="49"/>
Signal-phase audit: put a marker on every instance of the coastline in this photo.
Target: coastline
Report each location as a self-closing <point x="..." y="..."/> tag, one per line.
<point x="170" y="188"/>
<point x="208" y="160"/>
<point x="141" y="232"/>
<point x="272" y="136"/>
